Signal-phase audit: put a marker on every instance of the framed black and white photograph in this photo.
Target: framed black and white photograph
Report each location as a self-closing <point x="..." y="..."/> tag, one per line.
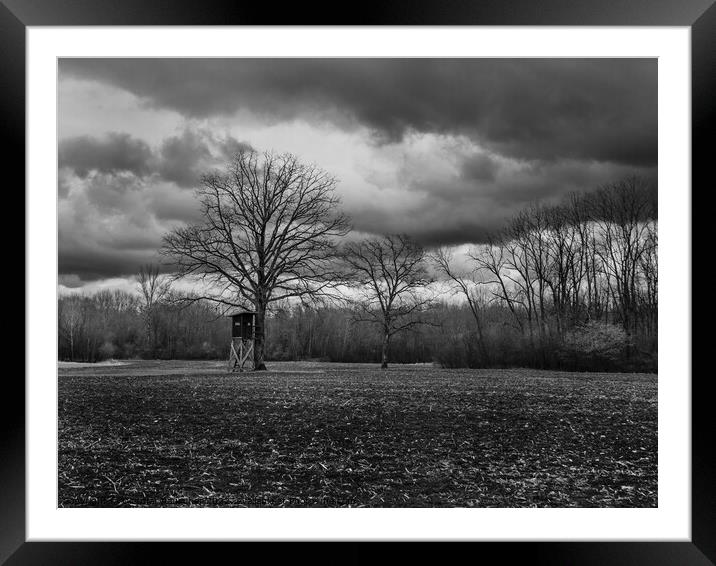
<point x="360" y="283"/>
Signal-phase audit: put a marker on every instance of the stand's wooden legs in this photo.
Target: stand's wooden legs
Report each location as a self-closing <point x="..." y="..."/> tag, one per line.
<point x="241" y="359"/>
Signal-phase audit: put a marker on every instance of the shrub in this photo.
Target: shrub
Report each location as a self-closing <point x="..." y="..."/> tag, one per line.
<point x="595" y="343"/>
<point x="106" y="351"/>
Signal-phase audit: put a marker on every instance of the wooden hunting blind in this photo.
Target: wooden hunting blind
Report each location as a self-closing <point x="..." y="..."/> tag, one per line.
<point x="243" y="324"/>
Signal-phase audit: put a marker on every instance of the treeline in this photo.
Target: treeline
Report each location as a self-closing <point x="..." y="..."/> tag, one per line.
<point x="568" y="286"/>
<point x="120" y="325"/>
<point x="111" y="325"/>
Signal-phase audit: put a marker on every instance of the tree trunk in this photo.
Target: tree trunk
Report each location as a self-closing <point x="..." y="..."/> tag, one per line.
<point x="149" y="333"/>
<point x="72" y="343"/>
<point x="384" y="354"/>
<point x="259" y="338"/>
<point x="480" y="336"/>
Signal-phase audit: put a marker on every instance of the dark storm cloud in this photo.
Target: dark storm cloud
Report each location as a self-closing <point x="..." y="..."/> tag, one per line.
<point x="180" y="159"/>
<point x="230" y="146"/>
<point x="453" y="196"/>
<point x="184" y="158"/>
<point x="116" y="152"/>
<point x="104" y="236"/>
<point x="118" y="195"/>
<point x="591" y="109"/>
<point x="444" y="150"/>
<point x="479" y="167"/>
<point x="429" y="228"/>
<point x="99" y="263"/>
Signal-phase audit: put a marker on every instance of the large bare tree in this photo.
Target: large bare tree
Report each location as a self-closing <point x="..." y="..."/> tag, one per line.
<point x="268" y="232"/>
<point x="390" y="282"/>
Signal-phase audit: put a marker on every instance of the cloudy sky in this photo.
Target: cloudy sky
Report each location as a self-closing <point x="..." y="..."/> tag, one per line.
<point x="442" y="149"/>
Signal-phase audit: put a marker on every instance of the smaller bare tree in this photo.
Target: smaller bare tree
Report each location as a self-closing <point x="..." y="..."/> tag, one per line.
<point x="71" y="320"/>
<point x="469" y="284"/>
<point x="389" y="281"/>
<point x="154" y="289"/>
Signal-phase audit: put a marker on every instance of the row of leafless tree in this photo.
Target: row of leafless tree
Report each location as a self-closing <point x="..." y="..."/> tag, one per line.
<point x="588" y="261"/>
<point x="580" y="276"/>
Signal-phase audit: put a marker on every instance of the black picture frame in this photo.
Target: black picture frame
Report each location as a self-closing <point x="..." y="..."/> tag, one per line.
<point x="17" y="15"/>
